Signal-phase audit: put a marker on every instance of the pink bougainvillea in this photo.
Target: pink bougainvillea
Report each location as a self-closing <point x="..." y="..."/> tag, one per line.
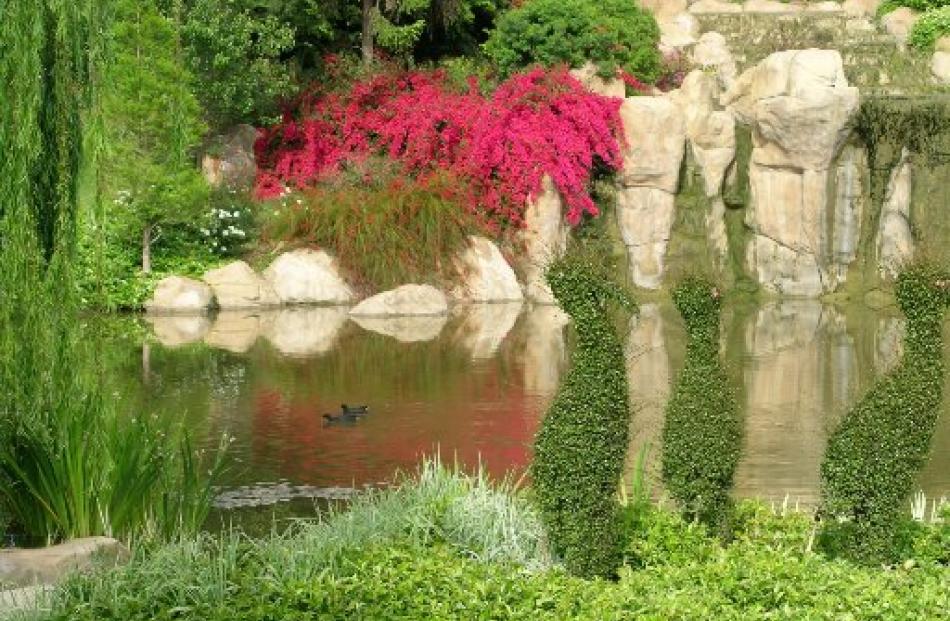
<point x="543" y="122"/>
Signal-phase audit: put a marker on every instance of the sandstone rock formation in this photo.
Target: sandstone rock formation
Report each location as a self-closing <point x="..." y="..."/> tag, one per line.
<point x="179" y="295"/>
<point x="798" y="104"/>
<point x="308" y="277"/>
<point x="407" y="300"/>
<point x="940" y="67"/>
<point x="655" y="132"/>
<point x="485" y="274"/>
<point x="545" y="237"/>
<point x="232" y="164"/>
<point x="894" y="241"/>
<point x="712" y="52"/>
<point x="28" y="567"/>
<point x="237" y="286"/>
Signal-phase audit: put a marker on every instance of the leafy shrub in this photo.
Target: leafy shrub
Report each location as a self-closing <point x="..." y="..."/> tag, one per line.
<point x="614" y="34"/>
<point x="230" y="223"/>
<point x="930" y="27"/>
<point x="702" y="433"/>
<point x="580" y="448"/>
<point x="385" y="232"/>
<point x="874" y="456"/>
<point x="537" y="123"/>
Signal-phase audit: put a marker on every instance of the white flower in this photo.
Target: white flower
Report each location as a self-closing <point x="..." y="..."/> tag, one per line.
<point x="205" y="232"/>
<point x="237" y="214"/>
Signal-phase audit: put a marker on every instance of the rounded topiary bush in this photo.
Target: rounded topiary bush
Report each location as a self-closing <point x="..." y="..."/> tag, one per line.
<point x="580" y="449"/>
<point x="876" y="453"/>
<point x="614" y="34"/>
<point x="702" y="434"/>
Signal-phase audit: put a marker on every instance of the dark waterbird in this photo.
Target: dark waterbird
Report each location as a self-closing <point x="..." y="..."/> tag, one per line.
<point x="348" y="414"/>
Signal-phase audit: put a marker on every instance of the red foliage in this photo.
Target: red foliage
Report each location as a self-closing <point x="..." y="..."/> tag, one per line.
<point x="536" y="123"/>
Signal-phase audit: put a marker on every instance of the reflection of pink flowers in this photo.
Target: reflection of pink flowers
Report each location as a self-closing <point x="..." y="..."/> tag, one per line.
<point x="537" y="123"/>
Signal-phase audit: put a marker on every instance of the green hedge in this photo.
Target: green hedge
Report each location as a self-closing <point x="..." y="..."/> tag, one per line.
<point x="875" y="455"/>
<point x="580" y="449"/>
<point x="702" y="435"/>
<point x="611" y="33"/>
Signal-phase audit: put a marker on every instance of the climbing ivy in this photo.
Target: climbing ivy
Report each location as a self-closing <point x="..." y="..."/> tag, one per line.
<point x="580" y="449"/>
<point x="702" y="435"/>
<point x="873" y="457"/>
<point x="886" y="126"/>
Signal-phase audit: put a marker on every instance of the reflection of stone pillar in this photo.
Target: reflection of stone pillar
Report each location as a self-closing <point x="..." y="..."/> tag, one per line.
<point x="545" y="237"/>
<point x="788" y="409"/>
<point x="545" y="354"/>
<point x="648" y="374"/>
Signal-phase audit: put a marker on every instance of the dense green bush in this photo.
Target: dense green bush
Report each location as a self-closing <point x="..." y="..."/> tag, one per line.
<point x="614" y="34"/>
<point x="874" y="456"/>
<point x="930" y="27"/>
<point x="580" y="449"/>
<point x="702" y="434"/>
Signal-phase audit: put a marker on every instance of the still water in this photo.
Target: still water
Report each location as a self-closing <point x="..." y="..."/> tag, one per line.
<point x="474" y="387"/>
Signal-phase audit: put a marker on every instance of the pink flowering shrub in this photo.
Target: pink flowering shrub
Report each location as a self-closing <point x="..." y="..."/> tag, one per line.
<point x="543" y="122"/>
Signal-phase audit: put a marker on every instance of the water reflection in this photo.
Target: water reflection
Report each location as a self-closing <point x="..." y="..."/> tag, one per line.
<point x="480" y="386"/>
<point x="404" y="329"/>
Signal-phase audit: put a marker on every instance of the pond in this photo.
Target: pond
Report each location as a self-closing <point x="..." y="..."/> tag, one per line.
<point x="474" y="387"/>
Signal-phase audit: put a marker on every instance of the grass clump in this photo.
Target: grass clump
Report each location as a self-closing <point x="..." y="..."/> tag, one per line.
<point x="702" y="435"/>
<point x="580" y="449"/>
<point x="385" y="232"/>
<point x="874" y="456"/>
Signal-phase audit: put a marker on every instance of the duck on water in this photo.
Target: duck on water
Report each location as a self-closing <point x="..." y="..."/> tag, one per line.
<point x="348" y="413"/>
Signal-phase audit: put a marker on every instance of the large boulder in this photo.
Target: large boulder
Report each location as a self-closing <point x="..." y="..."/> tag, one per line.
<point x="655" y="132"/>
<point x="179" y="295"/>
<point x="799" y="105"/>
<point x="237" y="286"/>
<point x="486" y="275"/>
<point x="609" y="87"/>
<point x="229" y="160"/>
<point x="28" y="567"/>
<point x="308" y="276"/>
<point x="403" y="301"/>
<point x="899" y="23"/>
<point x="545" y="238"/>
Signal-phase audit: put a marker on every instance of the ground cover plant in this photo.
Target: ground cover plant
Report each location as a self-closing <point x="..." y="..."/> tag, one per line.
<point x="702" y="434"/>
<point x="874" y="456"/>
<point x="400" y="554"/>
<point x="931" y="26"/>
<point x="580" y="448"/>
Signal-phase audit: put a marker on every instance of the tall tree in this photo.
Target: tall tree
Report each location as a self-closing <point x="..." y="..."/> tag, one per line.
<point x="152" y="124"/>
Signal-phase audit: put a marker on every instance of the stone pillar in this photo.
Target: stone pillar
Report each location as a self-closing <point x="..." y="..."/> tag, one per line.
<point x="545" y="237"/>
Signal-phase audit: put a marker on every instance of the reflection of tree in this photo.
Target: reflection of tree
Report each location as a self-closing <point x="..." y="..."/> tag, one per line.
<point x="875" y="455"/>
<point x="702" y="434"/>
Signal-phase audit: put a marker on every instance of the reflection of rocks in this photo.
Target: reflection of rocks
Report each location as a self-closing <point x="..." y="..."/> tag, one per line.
<point x="407" y="300"/>
<point x="485" y="326"/>
<point x="889" y="343"/>
<point x="545" y="353"/>
<point x="178" y="330"/>
<point x="304" y="331"/>
<point x="799" y="372"/>
<point x="648" y="373"/>
<point x="48" y="565"/>
<point x="236" y="285"/>
<point x="406" y="329"/>
<point x="178" y="295"/>
<point x="234" y="331"/>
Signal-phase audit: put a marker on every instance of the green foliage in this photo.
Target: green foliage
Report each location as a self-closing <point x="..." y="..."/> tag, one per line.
<point x="874" y="456"/>
<point x="930" y="27"/>
<point x="235" y="53"/>
<point x="385" y="232"/>
<point x="580" y="449"/>
<point x="888" y="6"/>
<point x="765" y="574"/>
<point x="702" y="435"/>
<point x="614" y="34"/>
